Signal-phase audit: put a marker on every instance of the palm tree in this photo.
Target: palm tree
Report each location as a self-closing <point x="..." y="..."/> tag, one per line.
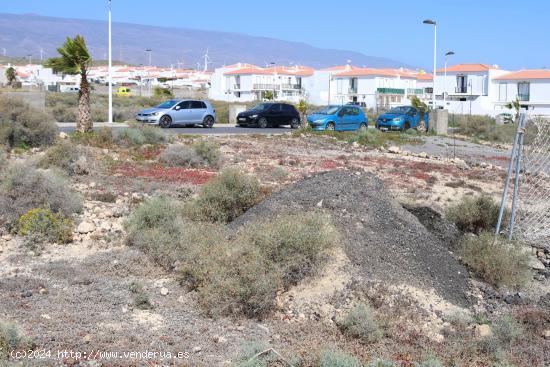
<point x="422" y="109"/>
<point x="75" y="59"/>
<point x="11" y="76"/>
<point x="516" y="106"/>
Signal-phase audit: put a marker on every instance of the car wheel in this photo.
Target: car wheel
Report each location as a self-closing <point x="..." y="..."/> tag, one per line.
<point x="330" y="126"/>
<point x="262" y="122"/>
<point x="208" y="122"/>
<point x="406" y="127"/>
<point x="295" y="123"/>
<point x="165" y="121"/>
<point x="363" y="127"/>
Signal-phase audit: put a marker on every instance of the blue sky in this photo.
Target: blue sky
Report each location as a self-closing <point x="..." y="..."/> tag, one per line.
<point x="487" y="31"/>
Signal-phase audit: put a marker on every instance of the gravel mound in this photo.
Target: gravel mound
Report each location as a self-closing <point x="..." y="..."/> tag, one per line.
<point x="384" y="241"/>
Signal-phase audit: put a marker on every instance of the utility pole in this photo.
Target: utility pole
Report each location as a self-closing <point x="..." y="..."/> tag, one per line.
<point x="110" y="68"/>
<point x="149" y="52"/>
<point x="431" y="22"/>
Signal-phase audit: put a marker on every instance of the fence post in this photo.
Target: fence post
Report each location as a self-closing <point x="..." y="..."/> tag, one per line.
<point x="521" y="135"/>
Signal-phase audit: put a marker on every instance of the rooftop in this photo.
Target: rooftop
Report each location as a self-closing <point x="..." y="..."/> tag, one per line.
<point x="526" y="74"/>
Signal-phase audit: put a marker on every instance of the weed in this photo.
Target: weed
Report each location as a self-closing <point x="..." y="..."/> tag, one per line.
<point x="475" y="214"/>
<point x="338" y="358"/>
<point x="361" y="323"/>
<point x="11" y="338"/>
<point x="199" y="154"/>
<point x="429" y="362"/>
<point x="141" y="299"/>
<point x="70" y="158"/>
<point x="497" y="261"/>
<point x="53" y="227"/>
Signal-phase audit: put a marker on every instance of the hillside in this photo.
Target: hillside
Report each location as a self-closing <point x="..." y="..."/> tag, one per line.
<point x="24" y="34"/>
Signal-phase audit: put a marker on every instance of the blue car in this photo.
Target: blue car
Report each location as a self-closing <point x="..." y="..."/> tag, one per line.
<point x="401" y="118"/>
<point x="339" y="118"/>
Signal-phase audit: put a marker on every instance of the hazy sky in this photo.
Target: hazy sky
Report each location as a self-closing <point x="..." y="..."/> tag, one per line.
<point x="487" y="31"/>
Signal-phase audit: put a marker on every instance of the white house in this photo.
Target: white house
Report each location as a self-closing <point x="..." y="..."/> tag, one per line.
<point x="468" y="88"/>
<point x="246" y="82"/>
<point x="530" y="87"/>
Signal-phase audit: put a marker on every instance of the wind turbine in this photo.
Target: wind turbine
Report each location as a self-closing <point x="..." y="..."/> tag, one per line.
<point x="206" y="60"/>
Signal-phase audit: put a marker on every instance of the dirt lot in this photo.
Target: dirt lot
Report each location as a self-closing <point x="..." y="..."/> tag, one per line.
<point x="76" y="297"/>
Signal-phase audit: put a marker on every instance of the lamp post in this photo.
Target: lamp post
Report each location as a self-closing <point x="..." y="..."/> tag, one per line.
<point x="110" y="70"/>
<point x="449" y="53"/>
<point x="149" y="52"/>
<point x="431" y="22"/>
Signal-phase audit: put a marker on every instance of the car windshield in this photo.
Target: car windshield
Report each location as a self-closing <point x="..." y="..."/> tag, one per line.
<point x="329" y="110"/>
<point x="167" y="104"/>
<point x="400" y="110"/>
<point x="261" y="107"/>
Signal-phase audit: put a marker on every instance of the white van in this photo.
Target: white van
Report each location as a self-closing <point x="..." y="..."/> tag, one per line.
<point x="69" y="89"/>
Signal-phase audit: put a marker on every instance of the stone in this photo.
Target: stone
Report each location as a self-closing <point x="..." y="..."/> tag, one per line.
<point x="546" y="334"/>
<point x="197" y="349"/>
<point x="117" y="227"/>
<point x="536" y="264"/>
<point x="105" y="226"/>
<point x="422" y="155"/>
<point x="85" y="227"/>
<point x="219" y="339"/>
<point x="483" y="331"/>
<point x="394" y="149"/>
<point x="319" y="204"/>
<point x="63" y="135"/>
<point x="164" y="291"/>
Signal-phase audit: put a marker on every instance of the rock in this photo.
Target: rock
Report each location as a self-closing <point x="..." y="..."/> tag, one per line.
<point x="164" y="291"/>
<point x="240" y="328"/>
<point x="483" y="331"/>
<point x="117" y="227"/>
<point x="105" y="226"/>
<point x="63" y="135"/>
<point x="85" y="227"/>
<point x="46" y="316"/>
<point x="422" y="155"/>
<point x="26" y="294"/>
<point x="219" y="339"/>
<point x="87" y="338"/>
<point x="355" y="144"/>
<point x="536" y="264"/>
<point x="43" y="291"/>
<point x="319" y="204"/>
<point x="197" y="349"/>
<point x="394" y="149"/>
<point x="546" y="334"/>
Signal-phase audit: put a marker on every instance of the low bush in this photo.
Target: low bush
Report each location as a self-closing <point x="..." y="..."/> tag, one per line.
<point x="24" y="126"/>
<point x="497" y="261"/>
<point x="71" y="159"/>
<point x="11" y="338"/>
<point x="429" y="362"/>
<point x="475" y="214"/>
<point x="135" y="136"/>
<point x="361" y="323"/>
<point x="52" y="227"/>
<point x="102" y="138"/>
<point x="232" y="276"/>
<point x="25" y="188"/>
<point x="506" y="330"/>
<point x="382" y="363"/>
<point x="338" y="358"/>
<point x="140" y="298"/>
<point x="159" y="92"/>
<point x="197" y="155"/>
<point x="225" y="197"/>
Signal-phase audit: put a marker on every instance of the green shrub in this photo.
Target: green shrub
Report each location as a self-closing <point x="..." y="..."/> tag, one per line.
<point x="25" y="188"/>
<point x="52" y="227"/>
<point x="141" y="299"/>
<point x="68" y="157"/>
<point x="496" y="260"/>
<point x="382" y="363"/>
<point x="135" y="136"/>
<point x="475" y="214"/>
<point x="297" y="243"/>
<point x="199" y="154"/>
<point x="506" y="330"/>
<point x="24" y="126"/>
<point x="225" y="197"/>
<point x="3" y="159"/>
<point x="338" y="358"/>
<point x="103" y="138"/>
<point x="429" y="362"/>
<point x="159" y="92"/>
<point x="361" y="323"/>
<point x="11" y="339"/>
<point x="250" y="350"/>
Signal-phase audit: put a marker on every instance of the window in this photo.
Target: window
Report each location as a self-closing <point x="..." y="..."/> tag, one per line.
<point x="276" y="108"/>
<point x="523" y="91"/>
<point x="502" y="91"/>
<point x="197" y="105"/>
<point x="288" y="108"/>
<point x="185" y="105"/>
<point x="461" y="84"/>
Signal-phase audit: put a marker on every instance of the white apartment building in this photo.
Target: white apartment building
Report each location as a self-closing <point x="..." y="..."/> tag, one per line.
<point x="245" y="82"/>
<point x="530" y="87"/>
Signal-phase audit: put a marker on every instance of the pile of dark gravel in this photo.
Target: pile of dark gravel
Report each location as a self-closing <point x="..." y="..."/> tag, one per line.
<point x="384" y="241"/>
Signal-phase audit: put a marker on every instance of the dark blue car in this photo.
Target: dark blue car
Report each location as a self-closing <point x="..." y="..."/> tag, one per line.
<point x="401" y="118"/>
<point x="340" y="118"/>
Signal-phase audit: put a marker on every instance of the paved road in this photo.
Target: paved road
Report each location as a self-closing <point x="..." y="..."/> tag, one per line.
<point x="217" y="129"/>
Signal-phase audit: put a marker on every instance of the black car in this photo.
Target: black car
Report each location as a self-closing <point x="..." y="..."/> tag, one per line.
<point x="270" y="114"/>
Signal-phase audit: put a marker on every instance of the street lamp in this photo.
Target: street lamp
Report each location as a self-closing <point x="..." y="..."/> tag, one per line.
<point x="149" y="52"/>
<point x="431" y="22"/>
<point x="449" y="53"/>
<point x="110" y="71"/>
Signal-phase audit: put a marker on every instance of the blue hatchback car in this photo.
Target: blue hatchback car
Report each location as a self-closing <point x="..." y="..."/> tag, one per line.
<point x="340" y="118"/>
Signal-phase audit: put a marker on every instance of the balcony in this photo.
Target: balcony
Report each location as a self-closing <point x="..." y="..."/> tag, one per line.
<point x="397" y="91"/>
<point x="266" y="87"/>
<point x="352" y="90"/>
<point x="236" y="86"/>
<point x="291" y="86"/>
<point x="415" y="91"/>
<point x="461" y="90"/>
